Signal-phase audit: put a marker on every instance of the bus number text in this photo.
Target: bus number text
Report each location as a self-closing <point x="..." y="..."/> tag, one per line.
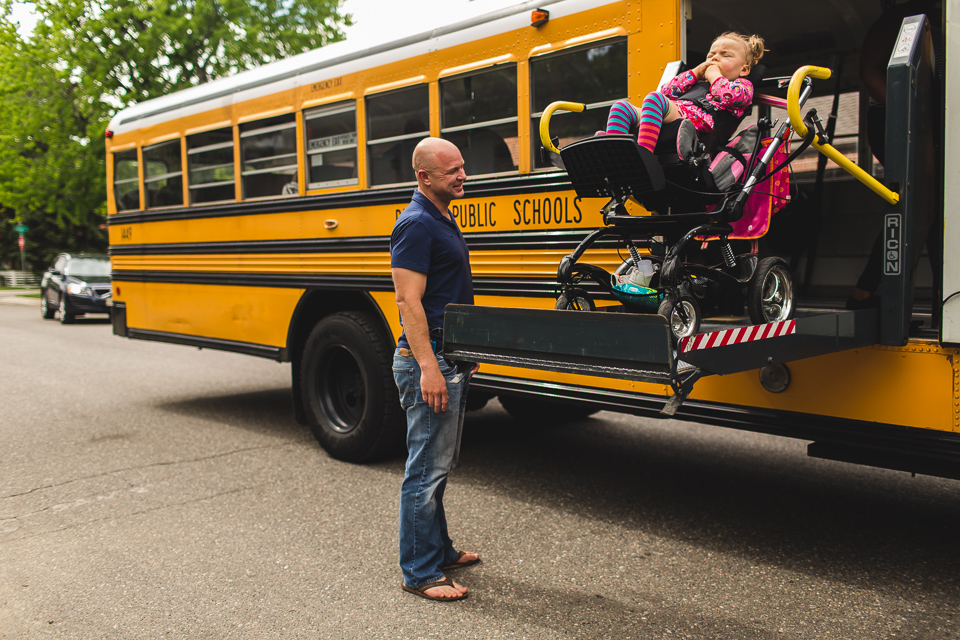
<point x="326" y="84"/>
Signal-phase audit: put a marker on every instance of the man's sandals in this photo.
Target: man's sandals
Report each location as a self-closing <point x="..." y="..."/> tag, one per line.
<point x="446" y="582"/>
<point x="460" y="562"/>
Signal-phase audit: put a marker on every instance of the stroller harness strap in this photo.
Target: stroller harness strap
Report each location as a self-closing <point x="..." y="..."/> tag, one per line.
<point x="724" y="122"/>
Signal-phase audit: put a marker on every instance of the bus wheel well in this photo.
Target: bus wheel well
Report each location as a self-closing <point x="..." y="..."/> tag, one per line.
<point x="315" y="305"/>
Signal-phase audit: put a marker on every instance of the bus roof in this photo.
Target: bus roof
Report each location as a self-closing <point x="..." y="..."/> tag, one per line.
<point x="817" y="34"/>
<point x="337" y="58"/>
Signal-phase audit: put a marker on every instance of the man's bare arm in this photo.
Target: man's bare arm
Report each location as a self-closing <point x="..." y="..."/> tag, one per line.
<point x="410" y="286"/>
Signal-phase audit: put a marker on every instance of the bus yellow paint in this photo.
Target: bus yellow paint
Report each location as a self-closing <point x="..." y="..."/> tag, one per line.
<point x="916" y="386"/>
<point x="909" y="386"/>
<point x="258" y="315"/>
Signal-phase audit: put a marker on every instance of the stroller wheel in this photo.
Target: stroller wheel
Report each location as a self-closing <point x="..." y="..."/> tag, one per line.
<point x="575" y="300"/>
<point x="683" y="316"/>
<point x="770" y="295"/>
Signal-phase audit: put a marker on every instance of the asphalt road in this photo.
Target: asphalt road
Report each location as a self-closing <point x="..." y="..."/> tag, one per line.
<point x="157" y="491"/>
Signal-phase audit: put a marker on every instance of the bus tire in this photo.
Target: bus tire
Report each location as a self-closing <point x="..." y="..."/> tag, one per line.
<point x="535" y="412"/>
<point x="349" y="396"/>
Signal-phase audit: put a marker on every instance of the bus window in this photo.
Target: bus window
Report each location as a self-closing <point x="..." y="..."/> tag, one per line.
<point x="126" y="180"/>
<point x="331" y="146"/>
<point x="479" y="115"/>
<point x="210" y="166"/>
<point x="596" y="77"/>
<point x="396" y="122"/>
<point x="163" y="174"/>
<point x="268" y="151"/>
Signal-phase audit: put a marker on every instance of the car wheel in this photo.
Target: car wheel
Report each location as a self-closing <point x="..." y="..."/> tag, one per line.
<point x="536" y="412"/>
<point x="46" y="311"/>
<point x="65" y="316"/>
<point x="349" y="395"/>
<point x="770" y="295"/>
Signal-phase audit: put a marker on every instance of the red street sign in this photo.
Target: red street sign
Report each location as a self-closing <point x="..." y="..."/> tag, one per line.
<point x="21" y="242"/>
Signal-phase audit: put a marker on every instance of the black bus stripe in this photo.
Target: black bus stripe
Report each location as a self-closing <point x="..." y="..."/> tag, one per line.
<point x="566" y="239"/>
<point x="509" y="287"/>
<point x="399" y="196"/>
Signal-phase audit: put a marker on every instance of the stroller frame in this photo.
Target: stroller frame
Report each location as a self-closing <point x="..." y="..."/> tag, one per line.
<point x="616" y="167"/>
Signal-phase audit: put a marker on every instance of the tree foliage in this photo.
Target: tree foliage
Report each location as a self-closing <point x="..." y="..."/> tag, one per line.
<point x="86" y="59"/>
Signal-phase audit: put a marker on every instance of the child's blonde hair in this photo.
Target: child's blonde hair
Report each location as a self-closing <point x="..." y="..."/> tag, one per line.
<point x="753" y="44"/>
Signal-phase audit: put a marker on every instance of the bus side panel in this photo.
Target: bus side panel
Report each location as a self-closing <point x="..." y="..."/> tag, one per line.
<point x="259" y="315"/>
<point x="914" y="386"/>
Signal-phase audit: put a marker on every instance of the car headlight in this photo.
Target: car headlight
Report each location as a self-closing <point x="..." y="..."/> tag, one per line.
<point x="79" y="289"/>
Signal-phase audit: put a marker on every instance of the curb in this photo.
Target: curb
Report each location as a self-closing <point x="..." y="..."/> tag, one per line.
<point x="14" y="298"/>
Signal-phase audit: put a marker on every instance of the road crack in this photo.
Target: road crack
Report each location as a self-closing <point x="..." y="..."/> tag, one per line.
<point x="152" y="465"/>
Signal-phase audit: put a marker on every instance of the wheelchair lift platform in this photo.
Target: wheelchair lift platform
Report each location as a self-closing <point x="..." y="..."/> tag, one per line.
<point x="641" y="347"/>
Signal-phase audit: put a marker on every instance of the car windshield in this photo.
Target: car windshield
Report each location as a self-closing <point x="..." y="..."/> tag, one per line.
<point x="88" y="267"/>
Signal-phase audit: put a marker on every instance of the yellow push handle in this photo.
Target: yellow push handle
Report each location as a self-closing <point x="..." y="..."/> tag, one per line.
<point x="545" y="120"/>
<point x="796" y="121"/>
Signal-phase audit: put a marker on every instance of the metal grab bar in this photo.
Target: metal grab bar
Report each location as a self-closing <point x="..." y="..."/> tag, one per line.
<point x="796" y="120"/>
<point x="545" y="121"/>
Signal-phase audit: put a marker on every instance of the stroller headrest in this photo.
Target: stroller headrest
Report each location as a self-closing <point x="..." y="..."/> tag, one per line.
<point x="756" y="74"/>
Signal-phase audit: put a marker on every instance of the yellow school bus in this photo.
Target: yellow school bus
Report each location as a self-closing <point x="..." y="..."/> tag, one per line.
<point x="253" y="214"/>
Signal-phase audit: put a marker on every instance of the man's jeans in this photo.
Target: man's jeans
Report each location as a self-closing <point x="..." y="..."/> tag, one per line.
<point x="433" y="447"/>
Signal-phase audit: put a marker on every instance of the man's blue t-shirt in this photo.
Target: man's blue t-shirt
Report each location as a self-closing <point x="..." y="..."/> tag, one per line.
<point x="423" y="240"/>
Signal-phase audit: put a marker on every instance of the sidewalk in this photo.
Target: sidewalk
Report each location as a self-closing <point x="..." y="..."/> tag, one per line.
<point x="13" y="297"/>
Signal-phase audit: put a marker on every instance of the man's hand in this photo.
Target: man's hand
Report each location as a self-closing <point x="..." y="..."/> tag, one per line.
<point x="433" y="386"/>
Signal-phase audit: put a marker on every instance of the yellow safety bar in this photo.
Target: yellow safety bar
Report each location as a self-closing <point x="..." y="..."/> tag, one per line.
<point x="545" y="121"/>
<point x="796" y="120"/>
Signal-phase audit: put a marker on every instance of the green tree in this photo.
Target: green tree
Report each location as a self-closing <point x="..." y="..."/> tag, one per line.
<point x="85" y="60"/>
<point x="51" y="176"/>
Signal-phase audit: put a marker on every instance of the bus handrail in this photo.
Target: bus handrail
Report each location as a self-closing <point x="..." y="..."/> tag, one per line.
<point x="545" y="121"/>
<point x="796" y="120"/>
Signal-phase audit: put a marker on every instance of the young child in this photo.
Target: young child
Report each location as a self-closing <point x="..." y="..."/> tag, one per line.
<point x="714" y="93"/>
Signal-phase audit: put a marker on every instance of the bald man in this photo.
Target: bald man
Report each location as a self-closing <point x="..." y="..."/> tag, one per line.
<point x="431" y="269"/>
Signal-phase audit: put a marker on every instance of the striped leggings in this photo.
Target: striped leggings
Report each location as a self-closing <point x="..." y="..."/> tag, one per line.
<point x="624" y="118"/>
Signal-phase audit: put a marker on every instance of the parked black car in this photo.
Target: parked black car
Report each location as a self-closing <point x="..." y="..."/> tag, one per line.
<point x="75" y="285"/>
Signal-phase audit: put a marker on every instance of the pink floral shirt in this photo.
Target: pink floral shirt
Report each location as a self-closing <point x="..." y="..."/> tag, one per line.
<point x="734" y="96"/>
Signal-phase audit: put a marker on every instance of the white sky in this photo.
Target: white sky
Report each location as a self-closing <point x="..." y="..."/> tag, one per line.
<point x="385" y="20"/>
<point x="23" y="14"/>
<point x="374" y="20"/>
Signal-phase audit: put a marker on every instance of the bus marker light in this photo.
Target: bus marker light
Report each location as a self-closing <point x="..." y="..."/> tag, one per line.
<point x="108" y="133"/>
<point x="539" y="17"/>
<point x="330" y="224"/>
